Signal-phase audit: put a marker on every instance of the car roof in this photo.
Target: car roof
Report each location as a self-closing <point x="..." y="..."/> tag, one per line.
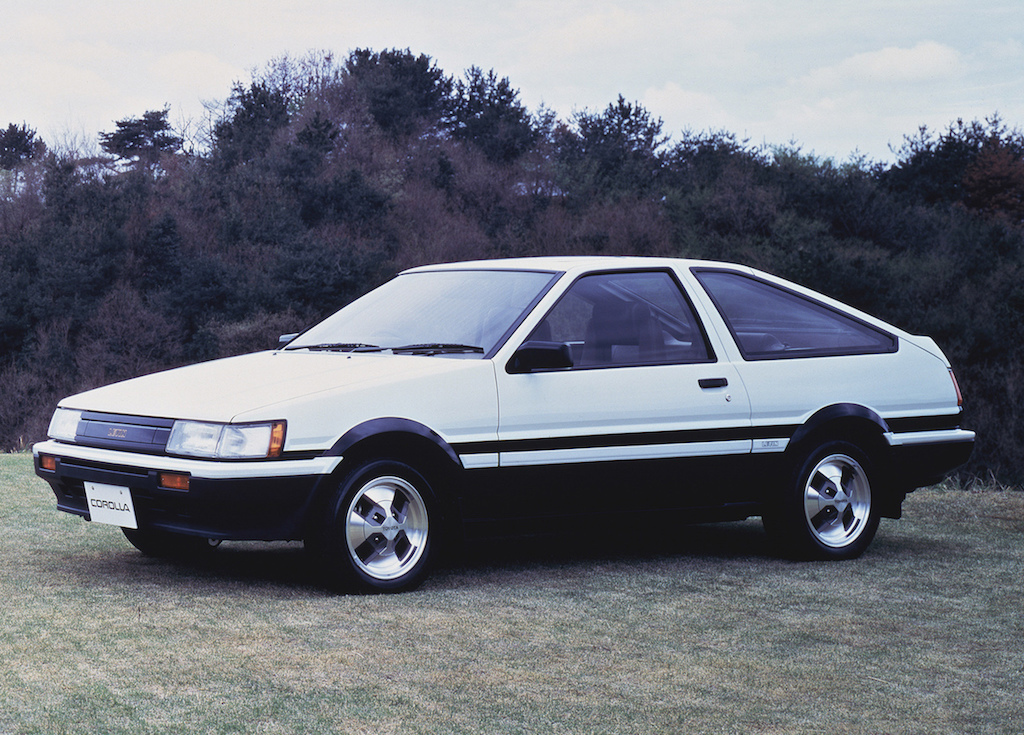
<point x="566" y="263"/>
<point x="578" y="264"/>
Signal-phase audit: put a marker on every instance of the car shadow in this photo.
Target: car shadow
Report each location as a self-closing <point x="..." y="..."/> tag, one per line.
<point x="717" y="540"/>
<point x="283" y="566"/>
<point x="286" y="569"/>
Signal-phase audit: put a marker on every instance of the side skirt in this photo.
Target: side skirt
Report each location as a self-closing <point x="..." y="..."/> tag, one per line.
<point x="693" y="490"/>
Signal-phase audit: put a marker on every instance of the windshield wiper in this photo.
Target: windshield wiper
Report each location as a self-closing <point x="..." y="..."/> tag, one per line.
<point x="427" y="348"/>
<point x="438" y="348"/>
<point x="340" y="347"/>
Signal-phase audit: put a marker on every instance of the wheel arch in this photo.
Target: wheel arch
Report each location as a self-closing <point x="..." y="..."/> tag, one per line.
<point x="860" y="426"/>
<point x="405" y="431"/>
<point x="848" y="421"/>
<point x="408" y="441"/>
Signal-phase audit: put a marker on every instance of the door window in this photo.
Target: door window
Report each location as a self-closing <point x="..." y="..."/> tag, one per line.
<point x="620" y="319"/>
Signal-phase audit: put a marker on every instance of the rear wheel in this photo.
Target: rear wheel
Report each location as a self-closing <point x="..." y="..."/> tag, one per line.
<point x="379" y="532"/>
<point x="827" y="510"/>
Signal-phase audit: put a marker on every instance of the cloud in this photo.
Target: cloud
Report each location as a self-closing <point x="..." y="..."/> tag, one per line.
<point x="687" y="109"/>
<point x="834" y="76"/>
<point x="866" y="101"/>
<point x="193" y="75"/>
<point x="927" y="62"/>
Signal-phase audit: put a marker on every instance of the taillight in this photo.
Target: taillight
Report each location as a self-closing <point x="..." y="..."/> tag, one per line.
<point x="956" y="387"/>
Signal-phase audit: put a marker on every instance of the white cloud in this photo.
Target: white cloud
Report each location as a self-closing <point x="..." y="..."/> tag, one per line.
<point x="865" y="102"/>
<point x="687" y="109"/>
<point x="833" y="76"/>
<point x="193" y="75"/>
<point x="927" y="62"/>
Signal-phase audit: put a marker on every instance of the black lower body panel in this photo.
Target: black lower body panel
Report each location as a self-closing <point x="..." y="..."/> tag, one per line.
<point x="545" y="499"/>
<point x="255" y="509"/>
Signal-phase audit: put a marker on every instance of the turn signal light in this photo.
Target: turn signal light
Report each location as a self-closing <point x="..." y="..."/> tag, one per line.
<point x="276" y="439"/>
<point x="47" y="462"/>
<point x="173" y="481"/>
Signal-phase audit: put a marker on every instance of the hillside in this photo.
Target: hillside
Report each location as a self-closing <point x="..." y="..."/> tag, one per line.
<point x="321" y="178"/>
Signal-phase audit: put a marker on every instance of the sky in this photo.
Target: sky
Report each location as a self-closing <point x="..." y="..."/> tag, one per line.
<point x="836" y="78"/>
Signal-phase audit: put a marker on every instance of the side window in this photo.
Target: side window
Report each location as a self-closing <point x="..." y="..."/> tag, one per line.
<point x="768" y="321"/>
<point x="619" y="319"/>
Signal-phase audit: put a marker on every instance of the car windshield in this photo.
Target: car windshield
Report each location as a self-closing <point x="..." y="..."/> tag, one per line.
<point x="456" y="312"/>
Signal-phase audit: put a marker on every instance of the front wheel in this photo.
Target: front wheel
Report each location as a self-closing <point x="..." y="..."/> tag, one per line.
<point x="827" y="510"/>
<point x="380" y="529"/>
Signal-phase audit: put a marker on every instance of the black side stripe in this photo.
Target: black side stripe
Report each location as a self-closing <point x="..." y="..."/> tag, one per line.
<point x="655" y="438"/>
<point x="649" y="438"/>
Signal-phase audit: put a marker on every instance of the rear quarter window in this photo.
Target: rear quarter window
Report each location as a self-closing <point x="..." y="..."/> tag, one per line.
<point x="771" y="322"/>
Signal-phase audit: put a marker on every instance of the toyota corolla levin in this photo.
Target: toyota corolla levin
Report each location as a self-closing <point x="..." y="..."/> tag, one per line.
<point x="524" y="396"/>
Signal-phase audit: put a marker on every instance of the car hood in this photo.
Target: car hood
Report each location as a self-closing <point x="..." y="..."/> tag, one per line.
<point x="223" y="389"/>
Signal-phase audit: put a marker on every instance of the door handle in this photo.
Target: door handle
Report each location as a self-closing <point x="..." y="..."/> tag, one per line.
<point x="713" y="382"/>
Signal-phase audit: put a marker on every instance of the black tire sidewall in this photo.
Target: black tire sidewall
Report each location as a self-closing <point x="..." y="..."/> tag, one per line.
<point x="334" y="557"/>
<point x="787" y="523"/>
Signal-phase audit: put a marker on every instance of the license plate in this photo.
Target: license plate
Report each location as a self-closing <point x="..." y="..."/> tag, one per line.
<point x="110" y="504"/>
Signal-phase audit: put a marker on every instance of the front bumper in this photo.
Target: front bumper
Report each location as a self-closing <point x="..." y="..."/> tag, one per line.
<point x="268" y="500"/>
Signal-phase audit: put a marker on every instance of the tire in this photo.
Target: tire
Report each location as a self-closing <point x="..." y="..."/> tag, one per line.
<point x="167" y="545"/>
<point x="379" y="531"/>
<point x="827" y="509"/>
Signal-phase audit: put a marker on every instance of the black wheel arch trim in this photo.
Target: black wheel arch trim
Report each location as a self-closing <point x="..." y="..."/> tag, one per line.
<point x="837" y="412"/>
<point x="391" y="425"/>
<point x="840" y="411"/>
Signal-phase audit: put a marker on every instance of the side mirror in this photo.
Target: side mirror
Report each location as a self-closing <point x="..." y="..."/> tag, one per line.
<point x="286" y="338"/>
<point x="537" y="355"/>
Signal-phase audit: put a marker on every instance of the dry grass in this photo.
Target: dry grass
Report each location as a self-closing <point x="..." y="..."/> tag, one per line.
<point x="924" y="634"/>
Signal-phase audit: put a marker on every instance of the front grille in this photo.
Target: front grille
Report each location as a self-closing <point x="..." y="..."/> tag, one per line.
<point x="128" y="433"/>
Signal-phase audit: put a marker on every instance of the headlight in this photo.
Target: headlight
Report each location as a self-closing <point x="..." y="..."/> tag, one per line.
<point x="249" y="440"/>
<point x="227" y="441"/>
<point x="64" y="424"/>
<point x="194" y="438"/>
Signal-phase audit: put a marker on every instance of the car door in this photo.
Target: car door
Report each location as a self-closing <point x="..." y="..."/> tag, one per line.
<point x="647" y="408"/>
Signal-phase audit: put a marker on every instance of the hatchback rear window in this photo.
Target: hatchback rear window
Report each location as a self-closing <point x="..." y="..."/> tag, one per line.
<point x="769" y="322"/>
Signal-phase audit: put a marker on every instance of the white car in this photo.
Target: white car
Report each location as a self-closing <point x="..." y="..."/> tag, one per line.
<point x="513" y="396"/>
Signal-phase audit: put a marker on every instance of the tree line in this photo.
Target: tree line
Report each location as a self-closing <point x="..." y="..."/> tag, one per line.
<point x="322" y="176"/>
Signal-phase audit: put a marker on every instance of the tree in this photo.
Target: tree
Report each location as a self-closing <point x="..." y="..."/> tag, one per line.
<point x="619" y="149"/>
<point x="256" y="114"/>
<point x="143" y="139"/>
<point x="701" y="158"/>
<point x="993" y="183"/>
<point x="318" y="134"/>
<point x="157" y="255"/>
<point x="487" y="113"/>
<point x="298" y="79"/>
<point x="401" y="91"/>
<point x="18" y="144"/>
<point x="932" y="169"/>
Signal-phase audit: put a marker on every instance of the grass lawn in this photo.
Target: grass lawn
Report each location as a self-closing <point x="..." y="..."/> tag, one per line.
<point x="708" y="634"/>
